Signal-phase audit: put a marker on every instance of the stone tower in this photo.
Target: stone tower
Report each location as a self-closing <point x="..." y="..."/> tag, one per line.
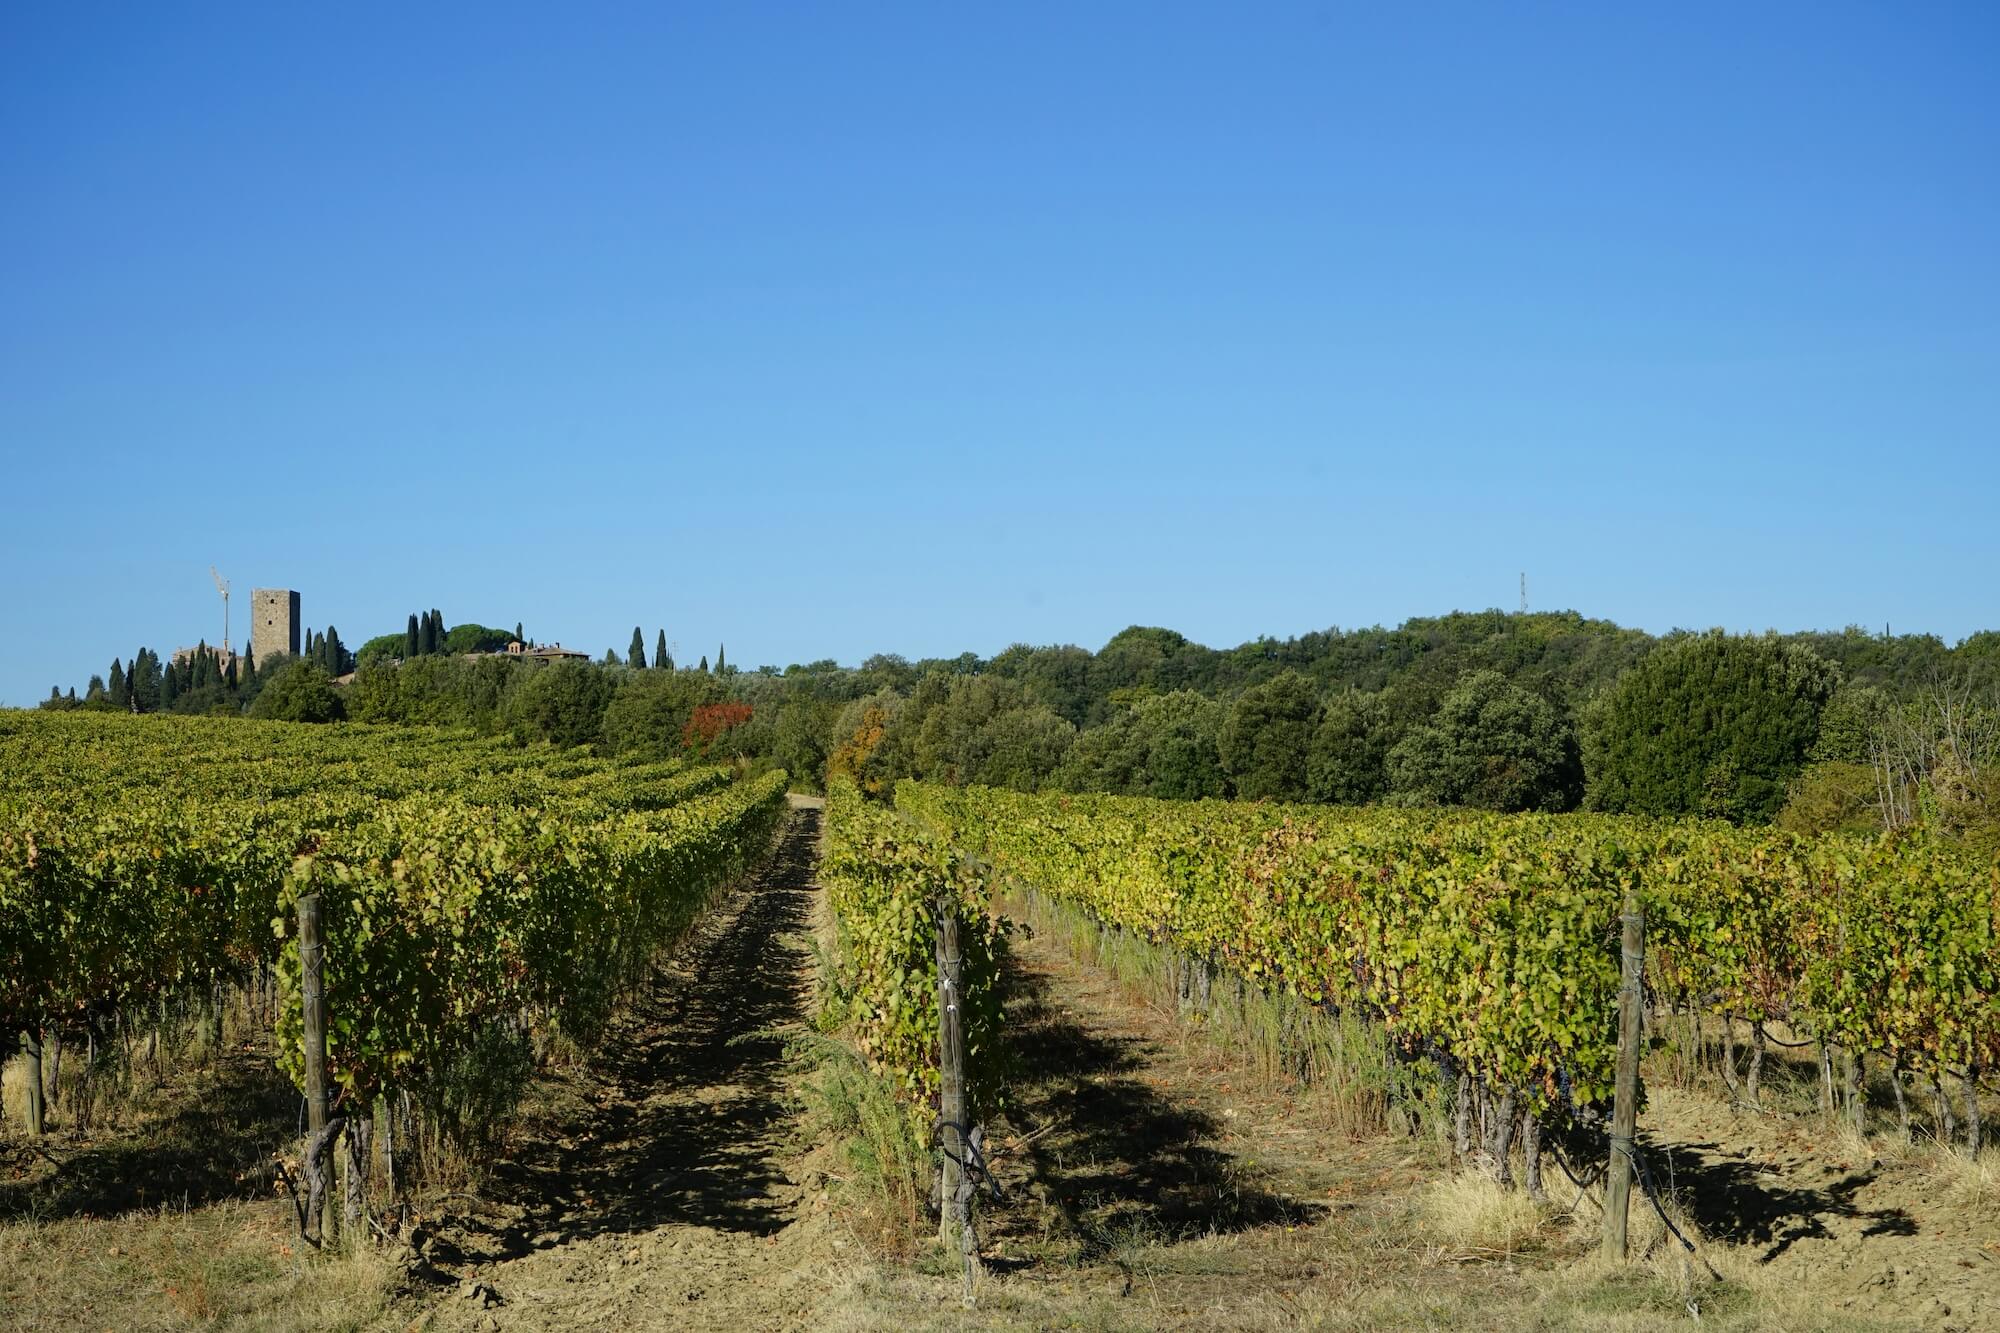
<point x="274" y="624"/>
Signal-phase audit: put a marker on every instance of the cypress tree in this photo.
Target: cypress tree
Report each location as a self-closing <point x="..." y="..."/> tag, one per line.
<point x="115" y="691"/>
<point x="410" y="637"/>
<point x="247" y="674"/>
<point x="719" y="663"/>
<point x="229" y="675"/>
<point x="96" y="690"/>
<point x="517" y="633"/>
<point x="170" y="689"/>
<point x="704" y="663"/>
<point x="72" y="694"/>
<point x="660" y="658"/>
<point x="144" y="681"/>
<point x="637" y="656"/>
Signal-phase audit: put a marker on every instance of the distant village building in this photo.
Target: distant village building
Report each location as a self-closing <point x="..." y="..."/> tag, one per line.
<point x="223" y="661"/>
<point x="548" y="652"/>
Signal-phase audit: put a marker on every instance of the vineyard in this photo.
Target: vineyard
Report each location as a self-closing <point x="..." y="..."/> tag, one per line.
<point x="1489" y="942"/>
<point x="464" y="888"/>
<point x="478" y="910"/>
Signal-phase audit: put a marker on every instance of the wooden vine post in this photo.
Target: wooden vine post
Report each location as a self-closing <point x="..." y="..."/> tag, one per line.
<point x="1625" y="1104"/>
<point x="956" y="1186"/>
<point x="31" y="1055"/>
<point x="318" y="1158"/>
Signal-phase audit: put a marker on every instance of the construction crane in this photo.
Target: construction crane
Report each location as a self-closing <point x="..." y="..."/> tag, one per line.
<point x="222" y="586"/>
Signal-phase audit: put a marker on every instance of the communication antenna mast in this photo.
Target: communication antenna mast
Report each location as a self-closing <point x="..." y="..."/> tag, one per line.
<point x="222" y="586"/>
<point x="1524" y="592"/>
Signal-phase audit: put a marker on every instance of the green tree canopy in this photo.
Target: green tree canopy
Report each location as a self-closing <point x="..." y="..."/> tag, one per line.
<point x="563" y="703"/>
<point x="647" y="714"/>
<point x="1711" y="724"/>
<point x="473" y="637"/>
<point x="1348" y="762"/>
<point x="1265" y="741"/>
<point x="1178" y="734"/>
<point x="1847" y="728"/>
<point x="1493" y="745"/>
<point x="299" y="691"/>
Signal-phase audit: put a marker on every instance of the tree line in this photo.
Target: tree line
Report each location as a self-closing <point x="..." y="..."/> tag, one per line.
<point x="1550" y="711"/>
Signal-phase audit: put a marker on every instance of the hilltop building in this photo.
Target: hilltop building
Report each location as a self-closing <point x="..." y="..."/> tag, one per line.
<point x="274" y="624"/>
<point x="548" y="652"/>
<point x="223" y="661"/>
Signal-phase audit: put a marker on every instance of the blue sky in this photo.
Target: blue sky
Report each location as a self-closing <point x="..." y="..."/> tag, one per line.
<point x="831" y="330"/>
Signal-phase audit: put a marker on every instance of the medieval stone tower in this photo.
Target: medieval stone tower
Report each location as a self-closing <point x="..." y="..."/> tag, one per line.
<point x="274" y="623"/>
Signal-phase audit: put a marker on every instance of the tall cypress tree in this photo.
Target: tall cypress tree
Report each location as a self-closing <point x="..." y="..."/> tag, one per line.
<point x="170" y="687"/>
<point x="115" y="691"/>
<point x="660" y="658"/>
<point x="704" y="663"/>
<point x="517" y="633"/>
<point x="410" y="637"/>
<point x="719" y="663"/>
<point x="144" y="681"/>
<point x="636" y="655"/>
<point x="336" y="653"/>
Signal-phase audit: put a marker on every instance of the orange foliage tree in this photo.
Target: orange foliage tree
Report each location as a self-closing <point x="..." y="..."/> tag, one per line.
<point x="710" y="721"/>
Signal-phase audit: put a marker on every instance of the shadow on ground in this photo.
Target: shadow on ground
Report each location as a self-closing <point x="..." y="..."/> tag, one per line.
<point x="1124" y="1164"/>
<point x="213" y="1141"/>
<point x="1739" y="1202"/>
<point x="677" y="1120"/>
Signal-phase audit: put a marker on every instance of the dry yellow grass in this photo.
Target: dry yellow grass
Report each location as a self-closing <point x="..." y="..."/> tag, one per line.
<point x="225" y="1265"/>
<point x="1470" y="1212"/>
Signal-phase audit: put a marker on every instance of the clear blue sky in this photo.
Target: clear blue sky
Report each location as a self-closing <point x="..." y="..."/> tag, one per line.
<point x="830" y="330"/>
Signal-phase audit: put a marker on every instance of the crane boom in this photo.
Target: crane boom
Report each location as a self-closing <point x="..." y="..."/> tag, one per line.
<point x="222" y="586"/>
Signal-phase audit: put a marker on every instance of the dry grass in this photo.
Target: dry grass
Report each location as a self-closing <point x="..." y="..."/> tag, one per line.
<point x="227" y="1265"/>
<point x="1469" y="1212"/>
<point x="1964" y="1183"/>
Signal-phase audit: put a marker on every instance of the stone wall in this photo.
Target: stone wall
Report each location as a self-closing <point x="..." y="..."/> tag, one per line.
<point x="274" y="624"/>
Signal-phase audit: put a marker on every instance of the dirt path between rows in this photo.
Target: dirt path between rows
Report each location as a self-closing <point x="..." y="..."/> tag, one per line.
<point x="663" y="1186"/>
<point x="1876" y="1234"/>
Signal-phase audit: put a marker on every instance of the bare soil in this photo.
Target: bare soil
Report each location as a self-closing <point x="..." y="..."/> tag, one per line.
<point x="664" y="1186"/>
<point x="1870" y="1230"/>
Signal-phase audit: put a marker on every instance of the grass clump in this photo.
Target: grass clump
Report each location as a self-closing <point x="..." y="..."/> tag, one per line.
<point x="1472" y="1212"/>
<point x="888" y="1170"/>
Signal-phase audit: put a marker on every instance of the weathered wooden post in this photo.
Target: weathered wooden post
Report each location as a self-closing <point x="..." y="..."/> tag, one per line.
<point x="1625" y="1106"/>
<point x="956" y="1187"/>
<point x="312" y="997"/>
<point x="31" y="1054"/>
